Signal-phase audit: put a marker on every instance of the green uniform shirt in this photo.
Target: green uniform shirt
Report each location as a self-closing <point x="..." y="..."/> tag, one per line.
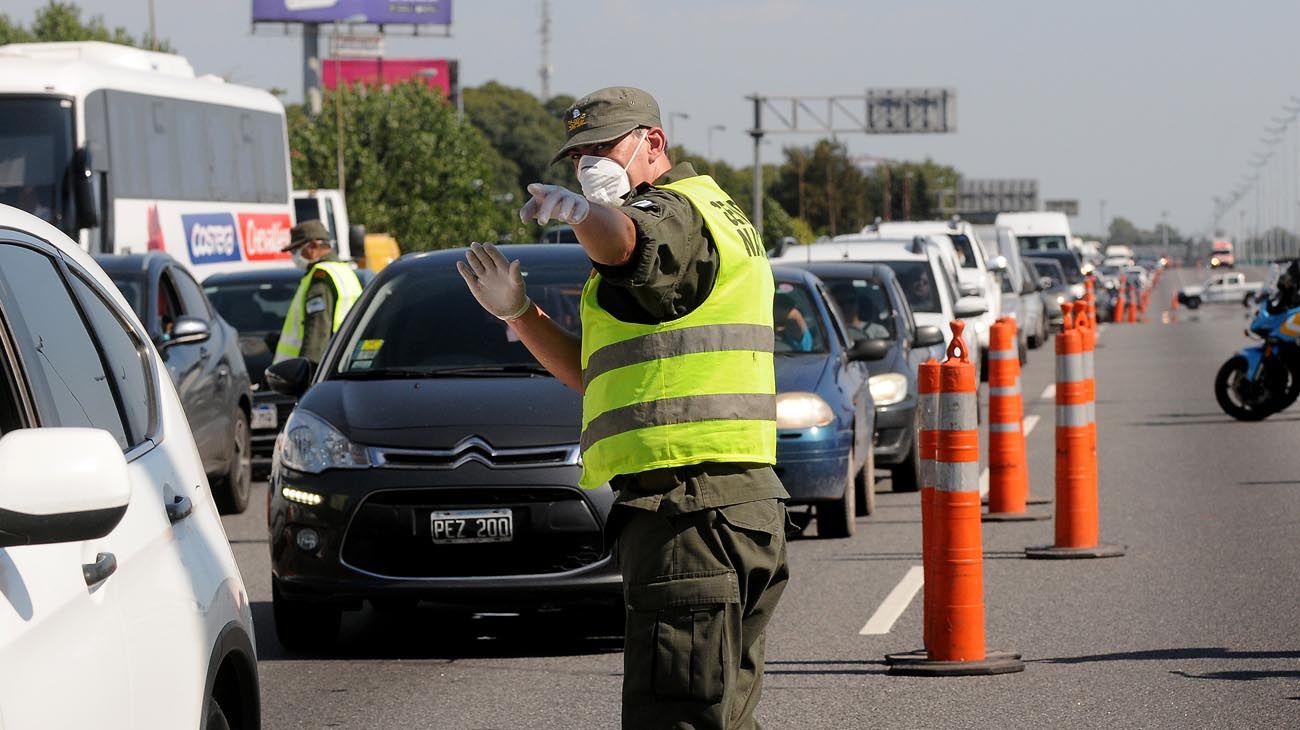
<point x="318" y="323"/>
<point x="671" y="273"/>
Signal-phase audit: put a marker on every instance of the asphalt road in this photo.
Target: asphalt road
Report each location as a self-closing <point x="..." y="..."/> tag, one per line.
<point x="1194" y="627"/>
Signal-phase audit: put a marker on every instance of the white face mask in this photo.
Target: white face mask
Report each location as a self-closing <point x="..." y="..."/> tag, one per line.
<point x="604" y="180"/>
<point x="299" y="260"/>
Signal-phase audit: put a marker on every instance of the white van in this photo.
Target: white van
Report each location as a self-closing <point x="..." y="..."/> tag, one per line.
<point x="1038" y="231"/>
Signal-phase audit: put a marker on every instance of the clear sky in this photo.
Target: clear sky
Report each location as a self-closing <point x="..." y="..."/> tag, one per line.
<point x="1148" y="105"/>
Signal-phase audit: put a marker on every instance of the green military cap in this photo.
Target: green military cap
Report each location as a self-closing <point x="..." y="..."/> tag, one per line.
<point x="306" y="231"/>
<point x="605" y="115"/>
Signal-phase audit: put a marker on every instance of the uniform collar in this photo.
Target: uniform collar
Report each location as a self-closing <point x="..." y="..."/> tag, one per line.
<point x="680" y="171"/>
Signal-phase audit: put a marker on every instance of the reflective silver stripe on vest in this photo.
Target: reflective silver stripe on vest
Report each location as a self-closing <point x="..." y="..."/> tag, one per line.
<point x="1004" y="355"/>
<point x="1072" y="416"/>
<point x="1069" y="368"/>
<point x="686" y="409"/>
<point x="1006" y="389"/>
<point x="1004" y="427"/>
<point x="961" y="476"/>
<point x="685" y="341"/>
<point x="958" y="412"/>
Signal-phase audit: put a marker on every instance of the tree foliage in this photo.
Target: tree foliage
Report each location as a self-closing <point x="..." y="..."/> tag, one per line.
<point x="523" y="130"/>
<point x="739" y="184"/>
<point x="61" y="21"/>
<point x="412" y="168"/>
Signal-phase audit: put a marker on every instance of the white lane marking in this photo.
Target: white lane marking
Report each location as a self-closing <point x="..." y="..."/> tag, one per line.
<point x="895" y="603"/>
<point x="1049" y="392"/>
<point x="1030" y="422"/>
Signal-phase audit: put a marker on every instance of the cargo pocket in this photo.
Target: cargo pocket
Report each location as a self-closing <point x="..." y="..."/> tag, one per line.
<point x="767" y="516"/>
<point x="684" y="620"/>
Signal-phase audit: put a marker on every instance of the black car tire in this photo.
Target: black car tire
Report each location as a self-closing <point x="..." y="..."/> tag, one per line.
<point x="865" y="484"/>
<point x="302" y="626"/>
<point x="1248" y="300"/>
<point x="1193" y="302"/>
<point x="231" y="490"/>
<point x="216" y="719"/>
<point x="837" y="518"/>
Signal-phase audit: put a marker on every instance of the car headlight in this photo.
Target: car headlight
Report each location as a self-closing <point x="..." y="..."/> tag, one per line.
<point x="310" y="444"/>
<point x="887" y="388"/>
<point x="802" y="410"/>
<point x="1060" y="299"/>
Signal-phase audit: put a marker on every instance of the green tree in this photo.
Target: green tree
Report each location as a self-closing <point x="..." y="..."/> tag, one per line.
<point x="61" y="21"/>
<point x="412" y="169"/>
<point x="821" y="185"/>
<point x="739" y="184"/>
<point x="1123" y="233"/>
<point x="523" y="130"/>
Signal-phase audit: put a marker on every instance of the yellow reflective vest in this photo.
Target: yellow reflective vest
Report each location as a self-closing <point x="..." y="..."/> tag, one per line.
<point x="346" y="285"/>
<point x="700" y="388"/>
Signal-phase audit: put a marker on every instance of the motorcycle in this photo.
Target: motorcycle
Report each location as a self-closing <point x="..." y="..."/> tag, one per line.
<point x="1263" y="379"/>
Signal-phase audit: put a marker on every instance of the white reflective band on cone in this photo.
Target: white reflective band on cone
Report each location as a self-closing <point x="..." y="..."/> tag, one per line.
<point x="1072" y="416"/>
<point x="1004" y="355"/>
<point x="1087" y="365"/>
<point x="929" y="473"/>
<point x="961" y="476"/>
<point x="1006" y="390"/>
<point x="929" y="405"/>
<point x="958" y="412"/>
<point x="1004" y="427"/>
<point x="1069" y="368"/>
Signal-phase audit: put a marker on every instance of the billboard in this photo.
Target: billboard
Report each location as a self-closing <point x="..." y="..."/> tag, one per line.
<point x="376" y="12"/>
<point x="998" y="196"/>
<point x="437" y="73"/>
<point x="911" y="111"/>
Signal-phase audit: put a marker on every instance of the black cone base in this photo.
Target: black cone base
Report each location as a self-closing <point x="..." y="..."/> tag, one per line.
<point x="1051" y="552"/>
<point x="1014" y="516"/>
<point x="1031" y="499"/>
<point x="915" y="664"/>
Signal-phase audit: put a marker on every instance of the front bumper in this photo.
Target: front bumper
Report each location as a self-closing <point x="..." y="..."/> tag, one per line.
<point x="374" y="538"/>
<point x="895" y="432"/>
<point x="813" y="463"/>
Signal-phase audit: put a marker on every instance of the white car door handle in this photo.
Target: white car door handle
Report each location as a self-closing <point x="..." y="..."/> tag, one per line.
<point x="179" y="508"/>
<point x="97" y="572"/>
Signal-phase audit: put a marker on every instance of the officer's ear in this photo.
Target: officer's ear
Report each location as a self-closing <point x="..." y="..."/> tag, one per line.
<point x="656" y="143"/>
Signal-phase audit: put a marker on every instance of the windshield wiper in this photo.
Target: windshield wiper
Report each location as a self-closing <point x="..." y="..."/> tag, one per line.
<point x="517" y="369"/>
<point x="382" y="374"/>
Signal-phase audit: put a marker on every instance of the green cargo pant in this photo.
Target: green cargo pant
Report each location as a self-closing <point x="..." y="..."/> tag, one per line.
<point x="700" y="588"/>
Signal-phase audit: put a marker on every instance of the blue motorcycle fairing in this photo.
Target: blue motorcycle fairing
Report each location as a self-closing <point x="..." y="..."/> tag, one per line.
<point x="1254" y="359"/>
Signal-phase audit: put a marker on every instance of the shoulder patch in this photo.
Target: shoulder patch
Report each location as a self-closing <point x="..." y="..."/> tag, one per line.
<point x="315" y="305"/>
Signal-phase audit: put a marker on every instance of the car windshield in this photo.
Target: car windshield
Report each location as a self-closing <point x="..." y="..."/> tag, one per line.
<point x="254" y="307"/>
<point x="864" y="303"/>
<point x="134" y="288"/>
<point x="1051" y="270"/>
<point x="424" y="321"/>
<point x="796" y="320"/>
<point x="1070" y="265"/>
<point x="1042" y="243"/>
<point x="917" y="280"/>
<point x="965" y="251"/>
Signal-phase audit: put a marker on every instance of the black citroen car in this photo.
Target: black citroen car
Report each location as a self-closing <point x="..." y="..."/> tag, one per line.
<point x="431" y="460"/>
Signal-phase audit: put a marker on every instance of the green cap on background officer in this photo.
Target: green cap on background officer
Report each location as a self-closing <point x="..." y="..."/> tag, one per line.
<point x="309" y="241"/>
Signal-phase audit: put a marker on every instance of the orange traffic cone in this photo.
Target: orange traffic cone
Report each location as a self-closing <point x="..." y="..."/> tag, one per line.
<point x="1076" y="454"/>
<point x="957" y="633"/>
<point x="1008" y="471"/>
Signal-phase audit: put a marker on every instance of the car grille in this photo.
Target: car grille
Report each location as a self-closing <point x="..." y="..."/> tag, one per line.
<point x="554" y="532"/>
<point x="475" y="449"/>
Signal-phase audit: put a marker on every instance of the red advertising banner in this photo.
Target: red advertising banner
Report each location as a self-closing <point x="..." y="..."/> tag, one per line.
<point x="263" y="235"/>
<point x="438" y="73"/>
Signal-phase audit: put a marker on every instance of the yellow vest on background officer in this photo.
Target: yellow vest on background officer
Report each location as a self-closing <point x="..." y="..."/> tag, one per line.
<point x="324" y="296"/>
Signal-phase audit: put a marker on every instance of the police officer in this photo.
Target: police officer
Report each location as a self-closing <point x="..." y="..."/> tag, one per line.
<point x="324" y="296"/>
<point x="676" y="369"/>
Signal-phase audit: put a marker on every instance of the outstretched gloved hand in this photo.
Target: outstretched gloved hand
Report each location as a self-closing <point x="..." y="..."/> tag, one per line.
<point x="554" y="201"/>
<point x="497" y="284"/>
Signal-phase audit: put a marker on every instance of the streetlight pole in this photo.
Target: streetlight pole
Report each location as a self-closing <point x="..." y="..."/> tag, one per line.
<point x="672" y="135"/>
<point x="1164" y="233"/>
<point x="720" y="128"/>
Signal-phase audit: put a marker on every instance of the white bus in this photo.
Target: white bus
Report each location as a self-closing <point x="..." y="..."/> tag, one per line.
<point x="127" y="151"/>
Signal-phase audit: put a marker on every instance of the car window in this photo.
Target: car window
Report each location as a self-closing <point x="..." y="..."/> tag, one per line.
<point x="135" y="289"/>
<point x="11" y="418"/>
<point x="453" y="331"/>
<point x="965" y="251"/>
<point x="127" y="358"/>
<point x="192" y="301"/>
<point x="950" y="277"/>
<point x="796" y="320"/>
<point x="63" y="363"/>
<point x="917" y="280"/>
<point x="865" y="306"/>
<point x="253" y="307"/>
<point x="168" y="304"/>
<point x="837" y="320"/>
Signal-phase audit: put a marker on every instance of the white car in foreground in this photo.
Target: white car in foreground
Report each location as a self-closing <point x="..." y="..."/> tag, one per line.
<point x="120" y="602"/>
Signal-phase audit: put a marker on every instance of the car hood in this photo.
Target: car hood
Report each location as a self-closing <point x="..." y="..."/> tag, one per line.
<point x="799" y="372"/>
<point x="507" y="412"/>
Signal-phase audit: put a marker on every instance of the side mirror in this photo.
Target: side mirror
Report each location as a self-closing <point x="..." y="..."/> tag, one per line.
<point x="969" y="307"/>
<point x="927" y="335"/>
<point x="83" y="189"/>
<point x="1045" y="282"/>
<point x="997" y="263"/>
<point x="61" y="485"/>
<point x="356" y="238"/>
<point x="187" y="331"/>
<point x="290" y="377"/>
<point x="870" y="350"/>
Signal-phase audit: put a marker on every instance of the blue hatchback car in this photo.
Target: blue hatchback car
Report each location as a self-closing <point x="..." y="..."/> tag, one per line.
<point x="825" y="417"/>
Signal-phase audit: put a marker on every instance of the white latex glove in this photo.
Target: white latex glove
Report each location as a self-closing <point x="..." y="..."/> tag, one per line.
<point x="553" y="201"/>
<point x="497" y="284"/>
